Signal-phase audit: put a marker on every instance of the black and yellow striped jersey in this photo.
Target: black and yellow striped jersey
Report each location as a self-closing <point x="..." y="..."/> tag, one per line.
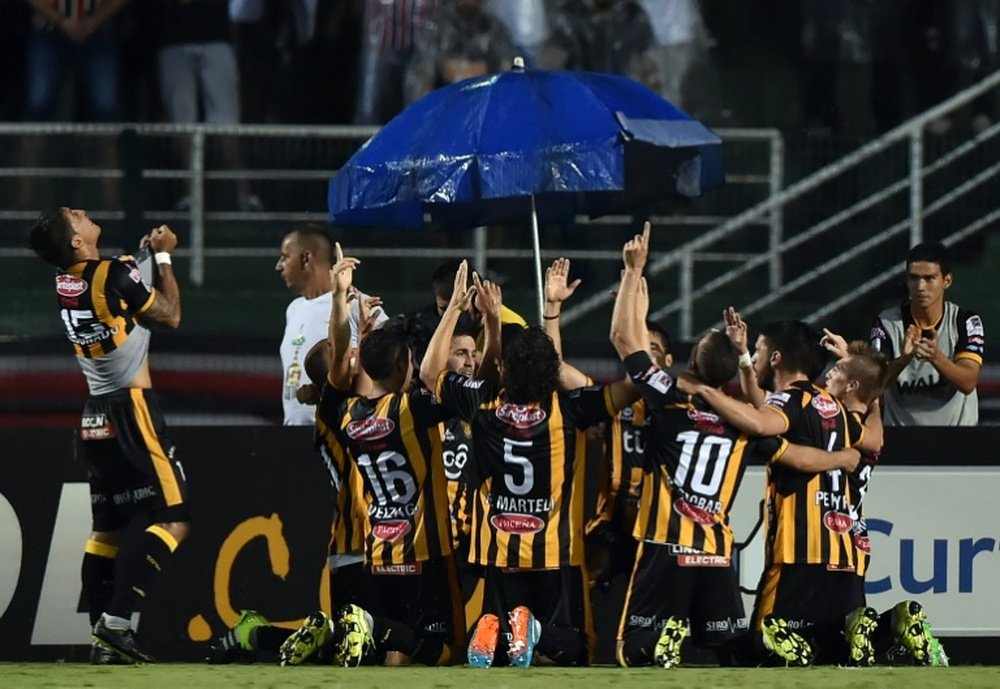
<point x="622" y="467"/>
<point x="857" y="482"/>
<point x="395" y="446"/>
<point x="348" y="531"/>
<point x="694" y="463"/>
<point x="99" y="302"/>
<point x="457" y="452"/>
<point x="808" y="516"/>
<point x="531" y="460"/>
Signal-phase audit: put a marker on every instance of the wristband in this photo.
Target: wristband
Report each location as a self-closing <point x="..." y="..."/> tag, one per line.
<point x="162" y="257"/>
<point x="745" y="360"/>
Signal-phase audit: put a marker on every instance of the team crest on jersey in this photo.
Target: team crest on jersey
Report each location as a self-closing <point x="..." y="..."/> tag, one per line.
<point x="706" y="422"/>
<point x="695" y="514"/>
<point x="974" y="326"/>
<point x="517" y="524"/>
<point x="391" y="529"/>
<point x="96" y="427"/>
<point x="70" y="286"/>
<point x="520" y="415"/>
<point x="826" y="407"/>
<point x="862" y="543"/>
<point x="372" y="428"/>
<point x="838" y="521"/>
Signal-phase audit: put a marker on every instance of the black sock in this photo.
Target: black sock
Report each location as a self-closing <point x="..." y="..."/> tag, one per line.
<point x="268" y="638"/>
<point x="391" y="635"/>
<point x="636" y="647"/>
<point x="138" y="567"/>
<point x="98" y="576"/>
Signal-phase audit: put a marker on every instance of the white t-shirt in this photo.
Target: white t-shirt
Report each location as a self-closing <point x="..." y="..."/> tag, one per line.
<point x="307" y="321"/>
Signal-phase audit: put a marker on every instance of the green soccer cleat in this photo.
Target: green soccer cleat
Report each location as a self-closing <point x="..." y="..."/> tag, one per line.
<point x="780" y="640"/>
<point x="357" y="641"/>
<point x="315" y="634"/>
<point x="238" y="643"/>
<point x="667" y="652"/>
<point x="938" y="657"/>
<point x="908" y="627"/>
<point x="858" y="630"/>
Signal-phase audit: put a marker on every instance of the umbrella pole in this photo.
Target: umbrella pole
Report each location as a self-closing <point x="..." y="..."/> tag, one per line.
<point x="538" y="262"/>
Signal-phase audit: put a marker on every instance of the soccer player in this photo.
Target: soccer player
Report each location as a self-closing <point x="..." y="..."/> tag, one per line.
<point x="809" y="582"/>
<point x="684" y="580"/>
<point x="107" y="308"/>
<point x="392" y="437"/>
<point x="528" y="532"/>
<point x="935" y="348"/>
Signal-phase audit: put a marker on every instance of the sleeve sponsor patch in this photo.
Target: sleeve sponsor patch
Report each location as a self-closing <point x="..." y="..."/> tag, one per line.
<point x="974" y="326"/>
<point x="778" y="400"/>
<point x="658" y="379"/>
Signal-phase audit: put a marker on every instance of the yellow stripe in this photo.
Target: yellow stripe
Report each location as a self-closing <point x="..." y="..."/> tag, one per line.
<point x="161" y="463"/>
<point x="100" y="549"/>
<point x="576" y="508"/>
<point x="786" y="527"/>
<point x="970" y="356"/>
<point x="149" y="302"/>
<point x="767" y="595"/>
<point x="557" y="463"/>
<point x="163" y="535"/>
<point x="814" y="522"/>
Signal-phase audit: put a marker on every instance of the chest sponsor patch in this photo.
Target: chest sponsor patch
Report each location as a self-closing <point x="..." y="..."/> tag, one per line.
<point x="702" y="560"/>
<point x="825" y="407"/>
<point x="372" y="428"/>
<point x="69" y="286"/>
<point x="391" y="529"/>
<point x="96" y="427"/>
<point x="838" y="522"/>
<point x="517" y="524"/>
<point x="520" y="416"/>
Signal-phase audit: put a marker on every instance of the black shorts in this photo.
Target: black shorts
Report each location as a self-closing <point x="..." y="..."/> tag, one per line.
<point x="130" y="461"/>
<point x="673" y="582"/>
<point x="807" y="595"/>
<point x="424" y="596"/>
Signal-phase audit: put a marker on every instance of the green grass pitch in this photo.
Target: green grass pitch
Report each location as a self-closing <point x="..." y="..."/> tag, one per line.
<point x="185" y="676"/>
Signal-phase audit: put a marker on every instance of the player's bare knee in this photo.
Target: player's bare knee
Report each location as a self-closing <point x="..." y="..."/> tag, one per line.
<point x="179" y="530"/>
<point x="105" y="537"/>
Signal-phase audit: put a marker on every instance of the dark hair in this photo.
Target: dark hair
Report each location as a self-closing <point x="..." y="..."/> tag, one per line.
<point x="930" y="252"/>
<point x="316" y="240"/>
<point x="654" y="327"/>
<point x="869" y="367"/>
<point x="530" y="367"/>
<point x="799" y="345"/>
<point x="715" y="359"/>
<point x="509" y="332"/>
<point x="385" y="349"/>
<point x="443" y="278"/>
<point x="50" y="238"/>
<point x="466" y="330"/>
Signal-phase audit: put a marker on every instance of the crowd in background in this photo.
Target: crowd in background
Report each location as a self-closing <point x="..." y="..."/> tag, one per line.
<point x="361" y="61"/>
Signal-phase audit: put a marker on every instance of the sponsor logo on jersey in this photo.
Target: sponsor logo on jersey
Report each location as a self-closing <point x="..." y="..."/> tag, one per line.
<point x="372" y="428"/>
<point x="473" y="384"/>
<point x="876" y="336"/>
<point x="838" y="521"/>
<point x="777" y="399"/>
<point x="96" y="427"/>
<point x="517" y="524"/>
<point x="826" y="407"/>
<point x="520" y="416"/>
<point x="391" y="530"/>
<point x="397" y="570"/>
<point x="702" y="560"/>
<point x="862" y="543"/>
<point x="69" y="286"/>
<point x="695" y="514"/>
<point x="974" y="326"/>
<point x="706" y="422"/>
<point x="136" y="275"/>
<point x="658" y="379"/>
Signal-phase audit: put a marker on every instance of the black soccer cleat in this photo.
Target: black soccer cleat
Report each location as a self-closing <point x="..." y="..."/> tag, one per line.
<point x="120" y="642"/>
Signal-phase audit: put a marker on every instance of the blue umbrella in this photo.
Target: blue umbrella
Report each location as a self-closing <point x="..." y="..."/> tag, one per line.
<point x="544" y="145"/>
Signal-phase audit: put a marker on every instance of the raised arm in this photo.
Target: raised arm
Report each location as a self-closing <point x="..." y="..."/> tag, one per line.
<point x="436" y="358"/>
<point x="557" y="290"/>
<point x="737" y="331"/>
<point x="628" y="330"/>
<point x="490" y="296"/>
<point x="166" y="307"/>
<point x="341" y="276"/>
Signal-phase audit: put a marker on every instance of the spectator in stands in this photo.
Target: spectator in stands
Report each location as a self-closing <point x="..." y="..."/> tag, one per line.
<point x="389" y="31"/>
<point x="528" y="25"/>
<point x="135" y="477"/>
<point x="613" y="36"/>
<point x="198" y="74"/>
<point x="459" y="40"/>
<point x="975" y="51"/>
<point x="935" y="348"/>
<point x="681" y="52"/>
